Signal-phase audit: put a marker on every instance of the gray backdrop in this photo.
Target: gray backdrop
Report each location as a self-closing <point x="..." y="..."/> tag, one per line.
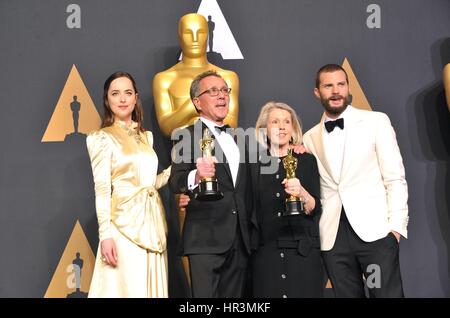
<point x="46" y="187"/>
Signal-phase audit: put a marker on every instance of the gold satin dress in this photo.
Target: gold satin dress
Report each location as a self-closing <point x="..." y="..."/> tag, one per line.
<point x="129" y="210"/>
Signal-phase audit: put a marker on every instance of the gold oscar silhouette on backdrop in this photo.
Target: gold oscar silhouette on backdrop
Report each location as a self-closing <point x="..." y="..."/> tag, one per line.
<point x="173" y="105"/>
<point x="446" y="76"/>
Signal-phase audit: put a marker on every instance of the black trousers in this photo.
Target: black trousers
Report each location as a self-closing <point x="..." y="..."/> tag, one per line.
<point x="220" y="275"/>
<point x="351" y="258"/>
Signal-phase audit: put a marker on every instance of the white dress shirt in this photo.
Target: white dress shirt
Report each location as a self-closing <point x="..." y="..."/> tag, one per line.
<point x="334" y="144"/>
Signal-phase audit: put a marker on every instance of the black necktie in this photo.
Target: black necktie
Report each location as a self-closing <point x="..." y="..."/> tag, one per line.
<point x="223" y="128"/>
<point x="331" y="124"/>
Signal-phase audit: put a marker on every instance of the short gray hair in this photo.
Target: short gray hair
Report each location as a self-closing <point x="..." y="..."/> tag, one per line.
<point x="263" y="118"/>
<point x="195" y="85"/>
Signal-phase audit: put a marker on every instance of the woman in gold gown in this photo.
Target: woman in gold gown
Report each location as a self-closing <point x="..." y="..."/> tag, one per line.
<point x="131" y="258"/>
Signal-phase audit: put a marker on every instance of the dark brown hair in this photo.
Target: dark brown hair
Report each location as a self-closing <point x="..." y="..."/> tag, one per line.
<point x="108" y="116"/>
<point x="329" y="68"/>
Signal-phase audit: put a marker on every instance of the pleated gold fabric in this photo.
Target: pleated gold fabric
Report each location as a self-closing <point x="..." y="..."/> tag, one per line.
<point x="129" y="210"/>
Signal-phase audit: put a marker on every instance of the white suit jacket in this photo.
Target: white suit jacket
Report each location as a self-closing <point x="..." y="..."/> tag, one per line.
<point x="372" y="186"/>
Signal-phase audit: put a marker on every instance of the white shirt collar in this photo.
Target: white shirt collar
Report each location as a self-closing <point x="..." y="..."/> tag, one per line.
<point x="210" y="124"/>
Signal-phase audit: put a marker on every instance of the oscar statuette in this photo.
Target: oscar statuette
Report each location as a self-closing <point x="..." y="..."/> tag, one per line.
<point x="208" y="188"/>
<point x="294" y="206"/>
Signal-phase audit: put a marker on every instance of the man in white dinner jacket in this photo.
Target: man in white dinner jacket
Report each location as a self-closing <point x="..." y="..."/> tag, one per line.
<point x="363" y="191"/>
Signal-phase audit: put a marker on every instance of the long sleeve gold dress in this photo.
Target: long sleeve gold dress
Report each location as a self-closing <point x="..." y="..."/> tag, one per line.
<point x="129" y="210"/>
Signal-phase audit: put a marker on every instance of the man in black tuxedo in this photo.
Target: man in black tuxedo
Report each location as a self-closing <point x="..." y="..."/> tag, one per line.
<point x="215" y="233"/>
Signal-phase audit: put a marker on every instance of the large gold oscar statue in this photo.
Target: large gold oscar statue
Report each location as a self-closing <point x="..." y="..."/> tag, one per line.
<point x="173" y="104"/>
<point x="446" y="76"/>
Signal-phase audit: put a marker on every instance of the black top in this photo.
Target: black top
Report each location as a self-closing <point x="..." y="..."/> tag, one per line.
<point x="286" y="260"/>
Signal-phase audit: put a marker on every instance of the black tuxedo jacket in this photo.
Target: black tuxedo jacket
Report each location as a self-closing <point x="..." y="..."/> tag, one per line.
<point x="211" y="227"/>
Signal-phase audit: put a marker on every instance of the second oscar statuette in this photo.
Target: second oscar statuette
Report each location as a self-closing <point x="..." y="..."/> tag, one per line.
<point x="294" y="206"/>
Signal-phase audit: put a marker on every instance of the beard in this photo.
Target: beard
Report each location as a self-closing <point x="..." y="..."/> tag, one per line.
<point x="332" y="109"/>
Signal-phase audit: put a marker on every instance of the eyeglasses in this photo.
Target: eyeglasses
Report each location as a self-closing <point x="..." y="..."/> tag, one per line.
<point x="215" y="91"/>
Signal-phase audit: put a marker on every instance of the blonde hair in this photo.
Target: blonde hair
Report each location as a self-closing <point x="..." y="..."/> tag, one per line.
<point x="263" y="118"/>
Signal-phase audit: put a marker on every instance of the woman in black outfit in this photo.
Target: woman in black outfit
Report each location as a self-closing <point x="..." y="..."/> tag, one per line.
<point x="286" y="261"/>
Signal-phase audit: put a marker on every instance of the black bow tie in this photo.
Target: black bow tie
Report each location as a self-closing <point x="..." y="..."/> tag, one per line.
<point x="223" y="128"/>
<point x="331" y="124"/>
